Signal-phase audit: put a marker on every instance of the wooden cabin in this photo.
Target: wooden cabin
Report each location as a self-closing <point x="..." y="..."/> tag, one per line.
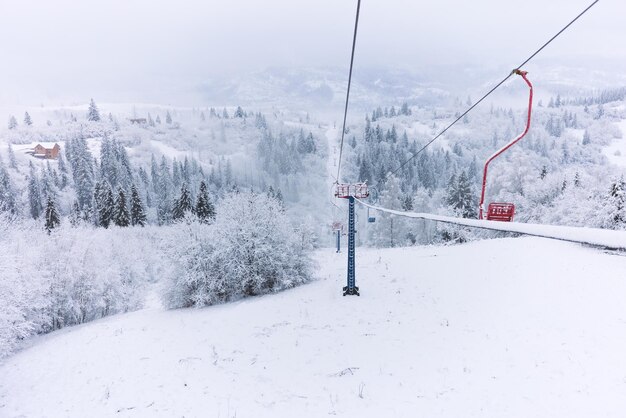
<point x="46" y="153"/>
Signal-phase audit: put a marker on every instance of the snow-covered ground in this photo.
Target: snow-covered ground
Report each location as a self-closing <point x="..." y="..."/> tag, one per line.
<point x="523" y="327"/>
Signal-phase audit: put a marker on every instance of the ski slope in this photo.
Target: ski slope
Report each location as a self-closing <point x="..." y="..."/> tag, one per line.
<point x="515" y="327"/>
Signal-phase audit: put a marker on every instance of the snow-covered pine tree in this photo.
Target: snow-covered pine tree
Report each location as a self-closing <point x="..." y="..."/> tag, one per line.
<point x="53" y="219"/>
<point x="12" y="122"/>
<point x="82" y="163"/>
<point x="163" y="193"/>
<point x="205" y="211"/>
<point x="168" y="117"/>
<point x="176" y="175"/>
<point x="107" y="205"/>
<point x="279" y="198"/>
<point x="93" y="114"/>
<point x="460" y="196"/>
<point x="12" y="159"/>
<point x="121" y="216"/>
<point x="48" y="189"/>
<point x="8" y="200"/>
<point x="34" y="193"/>
<point x="75" y="214"/>
<point x="27" y="119"/>
<point x="183" y="204"/>
<point x="239" y="113"/>
<point x="615" y="204"/>
<point x="158" y="119"/>
<point x="137" y="213"/>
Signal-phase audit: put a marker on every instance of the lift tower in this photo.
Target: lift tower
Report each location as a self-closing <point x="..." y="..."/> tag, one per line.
<point x="350" y="192"/>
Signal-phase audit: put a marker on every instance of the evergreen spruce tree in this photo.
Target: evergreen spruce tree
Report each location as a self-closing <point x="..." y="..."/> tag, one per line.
<point x="75" y="214"/>
<point x="279" y="198"/>
<point x="158" y="119"/>
<point x="164" y="193"/>
<point x="34" y="193"/>
<point x="8" y="200"/>
<point x="27" y="120"/>
<point x="460" y="196"/>
<point x="52" y="216"/>
<point x="12" y="160"/>
<point x="137" y="214"/>
<point x="93" y="114"/>
<point x="121" y="216"/>
<point x="239" y="113"/>
<point x="204" y="208"/>
<point x="616" y="202"/>
<point x="168" y="117"/>
<point x="63" y="180"/>
<point x="12" y="122"/>
<point x="183" y="204"/>
<point x="107" y="206"/>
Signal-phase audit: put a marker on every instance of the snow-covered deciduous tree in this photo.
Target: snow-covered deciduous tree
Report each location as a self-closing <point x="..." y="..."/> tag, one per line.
<point x="74" y="275"/>
<point x="251" y="249"/>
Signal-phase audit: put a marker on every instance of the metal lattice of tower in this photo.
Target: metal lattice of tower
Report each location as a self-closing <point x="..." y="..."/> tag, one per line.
<point x="350" y="192"/>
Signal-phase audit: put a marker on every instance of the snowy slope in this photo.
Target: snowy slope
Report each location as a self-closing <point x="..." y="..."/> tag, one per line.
<point x="522" y="327"/>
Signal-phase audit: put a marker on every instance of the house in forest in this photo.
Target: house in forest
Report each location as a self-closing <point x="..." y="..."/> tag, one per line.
<point x="46" y="153"/>
<point x="138" y="121"/>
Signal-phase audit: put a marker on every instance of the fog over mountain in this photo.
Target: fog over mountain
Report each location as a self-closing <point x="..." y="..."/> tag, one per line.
<point x="66" y="51"/>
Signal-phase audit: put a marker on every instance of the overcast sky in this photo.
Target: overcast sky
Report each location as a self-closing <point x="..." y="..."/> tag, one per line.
<point x="60" y="49"/>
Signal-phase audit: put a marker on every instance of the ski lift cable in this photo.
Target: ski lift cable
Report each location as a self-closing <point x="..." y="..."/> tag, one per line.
<point x="345" y="112"/>
<point x="489" y="92"/>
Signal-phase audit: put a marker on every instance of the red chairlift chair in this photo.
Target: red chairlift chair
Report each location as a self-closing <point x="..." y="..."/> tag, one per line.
<point x="504" y="211"/>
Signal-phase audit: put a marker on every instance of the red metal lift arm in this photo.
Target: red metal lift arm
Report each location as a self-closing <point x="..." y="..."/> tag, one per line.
<point x="507" y="146"/>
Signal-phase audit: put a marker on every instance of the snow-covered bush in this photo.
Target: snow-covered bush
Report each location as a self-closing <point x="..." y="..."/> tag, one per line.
<point x="251" y="249"/>
<point x="72" y="276"/>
